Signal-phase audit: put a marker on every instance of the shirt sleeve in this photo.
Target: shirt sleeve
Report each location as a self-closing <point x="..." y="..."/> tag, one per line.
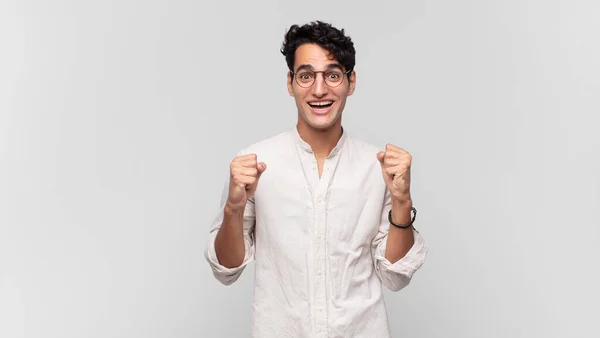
<point x="224" y="274"/>
<point x="398" y="275"/>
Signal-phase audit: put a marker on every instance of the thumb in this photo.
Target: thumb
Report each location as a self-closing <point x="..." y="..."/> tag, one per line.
<point x="380" y="156"/>
<point x="261" y="168"/>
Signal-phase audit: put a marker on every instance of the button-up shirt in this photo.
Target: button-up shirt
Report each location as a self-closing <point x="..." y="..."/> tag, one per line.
<point x="318" y="242"/>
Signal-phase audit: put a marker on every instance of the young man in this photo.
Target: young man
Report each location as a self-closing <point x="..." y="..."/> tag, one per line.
<point x="326" y="218"/>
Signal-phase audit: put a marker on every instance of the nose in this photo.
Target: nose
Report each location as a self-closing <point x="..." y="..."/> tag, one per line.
<point x="320" y="88"/>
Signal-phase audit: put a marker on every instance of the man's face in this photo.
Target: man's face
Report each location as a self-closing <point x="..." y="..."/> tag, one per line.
<point x="319" y="105"/>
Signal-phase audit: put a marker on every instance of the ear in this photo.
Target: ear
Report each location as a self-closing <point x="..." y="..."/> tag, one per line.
<point x="289" y="83"/>
<point x="352" y="81"/>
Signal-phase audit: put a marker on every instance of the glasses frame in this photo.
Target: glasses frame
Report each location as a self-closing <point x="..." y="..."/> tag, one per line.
<point x="316" y="72"/>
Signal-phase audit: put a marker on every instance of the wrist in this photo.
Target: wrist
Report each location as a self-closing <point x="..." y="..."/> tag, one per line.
<point x="402" y="203"/>
<point x="401" y="211"/>
<point x="234" y="208"/>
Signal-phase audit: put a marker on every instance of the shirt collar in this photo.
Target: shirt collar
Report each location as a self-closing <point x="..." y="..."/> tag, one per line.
<point x="306" y="147"/>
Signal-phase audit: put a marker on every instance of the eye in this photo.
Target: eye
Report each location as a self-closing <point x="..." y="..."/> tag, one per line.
<point x="305" y="76"/>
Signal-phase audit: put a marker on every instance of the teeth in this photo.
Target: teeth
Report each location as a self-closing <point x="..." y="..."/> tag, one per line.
<point x="323" y="103"/>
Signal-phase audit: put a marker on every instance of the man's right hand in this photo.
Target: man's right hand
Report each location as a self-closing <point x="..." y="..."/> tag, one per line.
<point x="244" y="175"/>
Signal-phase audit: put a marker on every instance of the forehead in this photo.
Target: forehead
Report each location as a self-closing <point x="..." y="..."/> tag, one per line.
<point x="314" y="55"/>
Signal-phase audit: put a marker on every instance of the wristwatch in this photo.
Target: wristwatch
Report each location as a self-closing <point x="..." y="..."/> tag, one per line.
<point x="403" y="226"/>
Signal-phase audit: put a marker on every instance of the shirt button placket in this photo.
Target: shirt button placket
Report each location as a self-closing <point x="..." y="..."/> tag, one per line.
<point x="320" y="273"/>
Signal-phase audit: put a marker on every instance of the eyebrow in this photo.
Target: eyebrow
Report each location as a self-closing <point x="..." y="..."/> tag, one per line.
<point x="329" y="66"/>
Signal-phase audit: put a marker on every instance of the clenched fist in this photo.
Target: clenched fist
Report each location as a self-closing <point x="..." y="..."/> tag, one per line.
<point x="244" y="175"/>
<point x="395" y="166"/>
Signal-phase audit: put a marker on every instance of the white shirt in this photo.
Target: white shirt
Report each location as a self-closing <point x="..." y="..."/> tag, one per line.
<point x="318" y="243"/>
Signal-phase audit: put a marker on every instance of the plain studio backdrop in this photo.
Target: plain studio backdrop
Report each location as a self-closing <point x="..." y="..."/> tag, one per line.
<point x="118" y="121"/>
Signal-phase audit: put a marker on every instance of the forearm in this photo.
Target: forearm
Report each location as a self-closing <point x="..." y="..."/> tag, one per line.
<point x="399" y="240"/>
<point x="229" y="242"/>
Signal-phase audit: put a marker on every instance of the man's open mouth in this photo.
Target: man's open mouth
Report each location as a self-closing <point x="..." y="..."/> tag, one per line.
<point x="320" y="104"/>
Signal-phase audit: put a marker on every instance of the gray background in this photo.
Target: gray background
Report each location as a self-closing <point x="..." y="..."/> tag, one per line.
<point x="118" y="120"/>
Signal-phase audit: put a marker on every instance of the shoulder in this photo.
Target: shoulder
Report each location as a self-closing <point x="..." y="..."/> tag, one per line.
<point x="361" y="156"/>
<point x="269" y="146"/>
<point x="360" y="147"/>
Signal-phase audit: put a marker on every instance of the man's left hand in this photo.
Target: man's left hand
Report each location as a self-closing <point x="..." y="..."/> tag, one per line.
<point x="395" y="167"/>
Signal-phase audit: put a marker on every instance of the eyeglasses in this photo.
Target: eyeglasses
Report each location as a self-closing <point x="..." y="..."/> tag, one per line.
<point x="306" y="78"/>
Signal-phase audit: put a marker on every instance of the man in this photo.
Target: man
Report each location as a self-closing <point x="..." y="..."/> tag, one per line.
<point x="326" y="218"/>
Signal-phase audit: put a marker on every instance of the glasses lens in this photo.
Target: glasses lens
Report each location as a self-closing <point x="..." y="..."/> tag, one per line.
<point x="334" y="78"/>
<point x="305" y="78"/>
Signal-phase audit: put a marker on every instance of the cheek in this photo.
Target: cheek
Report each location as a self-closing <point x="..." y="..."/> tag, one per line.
<point x="341" y="93"/>
<point x="299" y="95"/>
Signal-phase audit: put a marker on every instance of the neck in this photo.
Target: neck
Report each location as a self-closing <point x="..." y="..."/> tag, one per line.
<point x="322" y="142"/>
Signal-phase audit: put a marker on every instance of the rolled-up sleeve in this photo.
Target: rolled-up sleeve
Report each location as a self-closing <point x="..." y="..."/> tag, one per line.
<point x="224" y="274"/>
<point x="396" y="276"/>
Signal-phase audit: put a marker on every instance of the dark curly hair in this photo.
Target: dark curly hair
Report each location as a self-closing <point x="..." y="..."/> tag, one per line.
<point x="323" y="34"/>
